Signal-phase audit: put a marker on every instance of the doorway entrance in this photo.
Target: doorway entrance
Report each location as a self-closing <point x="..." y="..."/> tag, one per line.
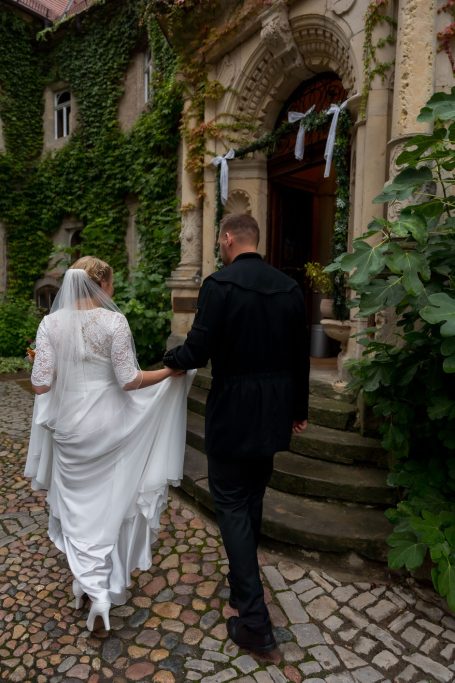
<point x="301" y="201"/>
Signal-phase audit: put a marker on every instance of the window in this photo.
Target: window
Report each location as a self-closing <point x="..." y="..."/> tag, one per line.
<point x="148" y="71"/>
<point x="45" y="296"/>
<point x="75" y="242"/>
<point x="62" y="111"/>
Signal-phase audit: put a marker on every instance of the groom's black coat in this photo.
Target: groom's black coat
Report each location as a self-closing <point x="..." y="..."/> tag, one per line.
<point x="250" y="322"/>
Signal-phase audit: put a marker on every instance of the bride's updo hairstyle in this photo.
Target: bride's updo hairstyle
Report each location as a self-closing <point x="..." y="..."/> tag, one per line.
<point x="99" y="271"/>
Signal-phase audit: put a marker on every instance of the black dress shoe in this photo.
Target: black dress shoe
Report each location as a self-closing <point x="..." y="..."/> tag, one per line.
<point x="247" y="639"/>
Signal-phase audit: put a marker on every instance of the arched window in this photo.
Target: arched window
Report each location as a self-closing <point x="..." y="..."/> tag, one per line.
<point x="62" y="111"/>
<point x="76" y="240"/>
<point x="45" y="296"/>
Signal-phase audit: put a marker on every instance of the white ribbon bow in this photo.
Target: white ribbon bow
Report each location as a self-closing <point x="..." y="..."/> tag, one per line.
<point x="224" y="173"/>
<point x="334" y="109"/>
<point x="294" y="116"/>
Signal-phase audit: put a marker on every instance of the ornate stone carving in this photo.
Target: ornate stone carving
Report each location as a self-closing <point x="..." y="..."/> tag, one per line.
<point x="314" y="45"/>
<point x="190" y="237"/>
<point x="238" y="201"/>
<point x="324" y="48"/>
<point x="341" y="6"/>
<point x="276" y="33"/>
<point x="227" y="71"/>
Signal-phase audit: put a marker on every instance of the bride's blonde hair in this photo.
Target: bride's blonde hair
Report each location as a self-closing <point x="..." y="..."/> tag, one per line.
<point x="99" y="271"/>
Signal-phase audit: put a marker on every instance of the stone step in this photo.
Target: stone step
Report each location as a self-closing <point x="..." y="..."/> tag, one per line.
<point x="327" y="412"/>
<point x="318" y="387"/>
<point x="304" y="476"/>
<point x="313" y="524"/>
<point x="318" y="442"/>
<point x="325" y="443"/>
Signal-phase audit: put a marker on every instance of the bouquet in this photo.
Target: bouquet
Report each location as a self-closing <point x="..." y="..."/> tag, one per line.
<point x="30" y="352"/>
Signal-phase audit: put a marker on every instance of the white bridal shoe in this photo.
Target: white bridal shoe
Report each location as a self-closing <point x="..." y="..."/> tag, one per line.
<point x="78" y="593"/>
<point x="99" y="609"/>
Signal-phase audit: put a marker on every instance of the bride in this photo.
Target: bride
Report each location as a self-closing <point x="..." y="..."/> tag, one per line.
<point x="107" y="438"/>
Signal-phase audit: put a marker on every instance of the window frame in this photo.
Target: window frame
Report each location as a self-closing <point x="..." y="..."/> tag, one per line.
<point x="65" y="108"/>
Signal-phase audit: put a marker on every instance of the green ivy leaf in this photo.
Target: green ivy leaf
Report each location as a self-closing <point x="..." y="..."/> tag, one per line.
<point x="404" y="184"/>
<point x="440" y="310"/>
<point x="380" y="295"/>
<point x="450" y="534"/>
<point x="449" y="365"/>
<point x="418" y="145"/>
<point x="411" y="224"/>
<point x="439" y="106"/>
<point x="366" y="260"/>
<point x="427" y="530"/>
<point x="407" y="553"/>
<point x="448" y="346"/>
<point x="446" y="580"/>
<point x="439" y="550"/>
<point x="441" y="406"/>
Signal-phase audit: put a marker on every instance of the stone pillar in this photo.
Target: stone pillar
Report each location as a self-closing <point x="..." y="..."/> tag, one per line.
<point x="186" y="278"/>
<point x="370" y="171"/>
<point x="414" y="85"/>
<point x="209" y="236"/>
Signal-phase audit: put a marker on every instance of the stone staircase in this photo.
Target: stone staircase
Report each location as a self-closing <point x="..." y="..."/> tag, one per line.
<point x="328" y="492"/>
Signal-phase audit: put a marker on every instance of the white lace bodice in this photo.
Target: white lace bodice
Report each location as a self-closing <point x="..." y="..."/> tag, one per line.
<point x="106" y="335"/>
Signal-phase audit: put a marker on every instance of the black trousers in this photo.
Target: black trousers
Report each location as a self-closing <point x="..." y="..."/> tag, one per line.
<point x="237" y="487"/>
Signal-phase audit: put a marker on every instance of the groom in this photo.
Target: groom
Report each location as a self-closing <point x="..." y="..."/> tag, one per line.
<point x="250" y="322"/>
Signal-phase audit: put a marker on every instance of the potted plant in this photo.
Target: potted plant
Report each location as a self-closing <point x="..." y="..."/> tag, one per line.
<point x="321" y="283"/>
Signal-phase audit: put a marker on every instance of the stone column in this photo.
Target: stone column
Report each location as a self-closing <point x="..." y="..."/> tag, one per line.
<point x="370" y="171"/>
<point x="186" y="278"/>
<point x="414" y="85"/>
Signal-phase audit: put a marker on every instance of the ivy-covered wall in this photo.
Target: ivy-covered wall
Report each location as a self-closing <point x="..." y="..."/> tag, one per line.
<point x="100" y="166"/>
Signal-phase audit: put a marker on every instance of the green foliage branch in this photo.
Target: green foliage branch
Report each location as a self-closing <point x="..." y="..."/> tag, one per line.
<point x="407" y="265"/>
<point x="372" y="66"/>
<point x="100" y="167"/>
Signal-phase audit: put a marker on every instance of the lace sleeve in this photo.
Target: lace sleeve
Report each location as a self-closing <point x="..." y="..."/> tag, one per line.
<point x="122" y="355"/>
<point x="44" y="363"/>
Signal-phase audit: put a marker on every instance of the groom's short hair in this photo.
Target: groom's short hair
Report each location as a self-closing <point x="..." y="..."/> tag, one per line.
<point x="243" y="226"/>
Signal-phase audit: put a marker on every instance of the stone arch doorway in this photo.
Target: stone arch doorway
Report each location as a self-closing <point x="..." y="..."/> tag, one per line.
<point x="301" y="204"/>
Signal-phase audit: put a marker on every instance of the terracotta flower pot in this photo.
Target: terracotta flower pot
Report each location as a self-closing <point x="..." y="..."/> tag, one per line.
<point x="326" y="308"/>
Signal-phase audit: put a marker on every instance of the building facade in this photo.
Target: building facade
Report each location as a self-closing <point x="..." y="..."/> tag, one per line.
<point x="382" y="57"/>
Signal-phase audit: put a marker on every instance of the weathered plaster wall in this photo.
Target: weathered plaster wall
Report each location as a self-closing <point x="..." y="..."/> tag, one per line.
<point x="132" y="102"/>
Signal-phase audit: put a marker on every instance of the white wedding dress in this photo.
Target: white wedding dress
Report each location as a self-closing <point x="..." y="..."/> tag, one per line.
<point x="105" y="455"/>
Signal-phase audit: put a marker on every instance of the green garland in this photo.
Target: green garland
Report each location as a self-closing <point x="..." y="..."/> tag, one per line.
<point x="267" y="143"/>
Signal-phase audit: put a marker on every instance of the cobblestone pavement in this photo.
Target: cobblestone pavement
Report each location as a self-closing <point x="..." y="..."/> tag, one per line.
<point x="172" y="628"/>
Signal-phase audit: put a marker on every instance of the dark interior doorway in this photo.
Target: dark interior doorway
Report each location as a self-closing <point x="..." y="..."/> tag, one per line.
<point x="301" y="201"/>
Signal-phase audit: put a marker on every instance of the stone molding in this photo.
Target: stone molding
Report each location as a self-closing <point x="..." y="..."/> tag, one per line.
<point x="340" y="7"/>
<point x="238" y="201"/>
<point x="324" y="47"/>
<point x="289" y="53"/>
<point x="190" y="237"/>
